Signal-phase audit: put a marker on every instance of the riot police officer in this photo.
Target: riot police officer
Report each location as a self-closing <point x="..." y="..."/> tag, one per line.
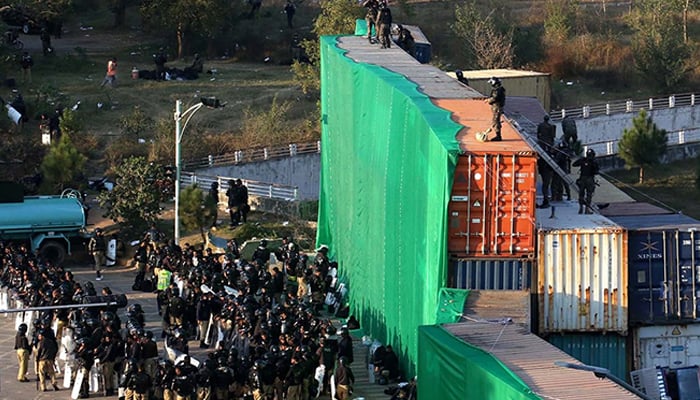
<point x="586" y="182"/>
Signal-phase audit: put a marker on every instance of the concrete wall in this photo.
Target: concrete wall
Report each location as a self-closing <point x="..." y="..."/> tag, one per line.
<point x="303" y="171"/>
<point x="602" y="132"/>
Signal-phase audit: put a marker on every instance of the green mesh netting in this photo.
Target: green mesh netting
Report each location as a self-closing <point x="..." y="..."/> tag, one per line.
<point x="456" y="370"/>
<point x="450" y="305"/>
<point x="387" y="164"/>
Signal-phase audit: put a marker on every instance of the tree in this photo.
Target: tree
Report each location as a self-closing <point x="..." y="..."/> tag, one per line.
<point x="186" y="17"/>
<point x="62" y="164"/>
<point x="660" y="53"/>
<point x="198" y="211"/>
<point x="560" y="16"/>
<point x="488" y="45"/>
<point x="136" y="197"/>
<point x="643" y="144"/>
<point x="337" y="17"/>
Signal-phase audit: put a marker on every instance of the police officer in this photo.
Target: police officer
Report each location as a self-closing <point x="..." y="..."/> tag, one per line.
<point x="384" y="21"/>
<point x="563" y="159"/>
<point x="546" y="133"/>
<point x="23" y="352"/>
<point x="371" y="17"/>
<point x="586" y="182"/>
<point x="165" y="376"/>
<point x="137" y="384"/>
<point x="97" y="247"/>
<point x="344" y="378"/>
<point x="497" y="100"/>
<point x="184" y="385"/>
<point x="461" y="78"/>
<point x="546" y="172"/>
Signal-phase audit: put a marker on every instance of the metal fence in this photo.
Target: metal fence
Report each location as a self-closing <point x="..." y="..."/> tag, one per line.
<point x="255" y="188"/>
<point x="625" y="106"/>
<point x="675" y="138"/>
<point x="257" y="154"/>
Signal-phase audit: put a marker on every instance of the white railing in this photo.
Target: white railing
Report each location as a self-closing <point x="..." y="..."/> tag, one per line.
<point x="256" y="154"/>
<point x="675" y="138"/>
<point x="255" y="188"/>
<point x="625" y="106"/>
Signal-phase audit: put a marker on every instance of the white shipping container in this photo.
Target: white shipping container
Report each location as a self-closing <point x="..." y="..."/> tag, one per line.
<point x="581" y="272"/>
<point x="673" y="346"/>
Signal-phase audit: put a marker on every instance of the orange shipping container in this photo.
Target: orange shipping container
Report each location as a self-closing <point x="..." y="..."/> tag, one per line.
<point x="492" y="206"/>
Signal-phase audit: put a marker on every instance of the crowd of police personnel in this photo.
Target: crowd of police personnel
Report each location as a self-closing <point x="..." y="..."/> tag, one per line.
<point x="262" y="327"/>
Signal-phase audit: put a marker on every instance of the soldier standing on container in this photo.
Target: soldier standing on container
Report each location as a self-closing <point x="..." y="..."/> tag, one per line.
<point x="384" y="21"/>
<point x="97" y="247"/>
<point x="586" y="181"/>
<point x="546" y="173"/>
<point x="371" y="17"/>
<point x="497" y="100"/>
<point x="563" y="159"/>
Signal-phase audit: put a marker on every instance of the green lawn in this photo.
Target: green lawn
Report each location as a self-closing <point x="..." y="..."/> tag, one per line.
<point x="671" y="184"/>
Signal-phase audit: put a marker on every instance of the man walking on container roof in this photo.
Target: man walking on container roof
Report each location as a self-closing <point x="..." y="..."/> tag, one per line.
<point x="497" y="100"/>
<point x="586" y="181"/>
<point x="384" y="21"/>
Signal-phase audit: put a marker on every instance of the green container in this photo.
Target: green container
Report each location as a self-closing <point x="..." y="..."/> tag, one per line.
<point x="607" y="351"/>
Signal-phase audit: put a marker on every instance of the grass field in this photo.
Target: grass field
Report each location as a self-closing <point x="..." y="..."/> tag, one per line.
<point x="670" y="185"/>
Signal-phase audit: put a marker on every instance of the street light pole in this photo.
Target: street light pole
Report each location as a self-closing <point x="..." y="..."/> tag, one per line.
<point x="179" y="130"/>
<point x="210" y="102"/>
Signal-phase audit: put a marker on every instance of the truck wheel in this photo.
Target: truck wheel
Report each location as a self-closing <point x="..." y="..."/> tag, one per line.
<point x="53" y="251"/>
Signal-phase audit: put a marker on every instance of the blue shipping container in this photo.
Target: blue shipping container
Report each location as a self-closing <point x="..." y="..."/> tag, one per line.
<point x="607" y="351"/>
<point x="491" y="274"/>
<point x="664" y="269"/>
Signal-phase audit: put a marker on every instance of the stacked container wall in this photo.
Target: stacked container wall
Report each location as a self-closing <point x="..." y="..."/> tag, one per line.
<point x="492" y="206"/>
<point x="582" y="281"/>
<point x="607" y="351"/>
<point x="490" y="274"/>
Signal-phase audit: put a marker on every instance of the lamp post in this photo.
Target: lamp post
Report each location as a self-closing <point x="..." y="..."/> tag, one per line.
<point x="210" y="102"/>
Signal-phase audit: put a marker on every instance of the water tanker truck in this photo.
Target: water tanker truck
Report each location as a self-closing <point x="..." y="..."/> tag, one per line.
<point x="45" y="223"/>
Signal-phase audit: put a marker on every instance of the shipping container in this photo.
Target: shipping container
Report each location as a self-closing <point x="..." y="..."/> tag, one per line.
<point x="490" y="274"/>
<point x="492" y="205"/>
<point x="664" y="274"/>
<point x="672" y="346"/>
<point x="581" y="272"/>
<point x="516" y="83"/>
<point x="607" y="351"/>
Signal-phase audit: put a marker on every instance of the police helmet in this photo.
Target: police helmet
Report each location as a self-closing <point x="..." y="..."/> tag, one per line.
<point x="22" y="328"/>
<point x="590" y="153"/>
<point x="343" y="360"/>
<point x="494" y="81"/>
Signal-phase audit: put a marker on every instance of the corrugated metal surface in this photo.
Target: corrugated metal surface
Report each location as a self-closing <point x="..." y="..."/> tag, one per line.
<point x="607" y="351"/>
<point x="492" y="206"/>
<point x="629" y="208"/>
<point x="581" y="272"/>
<point x="532" y="359"/>
<point x="491" y="274"/>
<point x="498" y="305"/>
<point x="517" y="83"/>
<point x="673" y="346"/>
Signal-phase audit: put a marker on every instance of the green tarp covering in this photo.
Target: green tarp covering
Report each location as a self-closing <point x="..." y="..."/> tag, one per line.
<point x="387" y="164"/>
<point x="451" y="369"/>
<point x="450" y="305"/>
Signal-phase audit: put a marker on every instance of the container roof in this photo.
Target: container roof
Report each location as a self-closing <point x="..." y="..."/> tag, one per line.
<point x="626" y="208"/>
<point x="430" y="80"/>
<point x="475" y="116"/>
<point x="566" y="218"/>
<point x="658" y="222"/>
<point x="532" y="359"/>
